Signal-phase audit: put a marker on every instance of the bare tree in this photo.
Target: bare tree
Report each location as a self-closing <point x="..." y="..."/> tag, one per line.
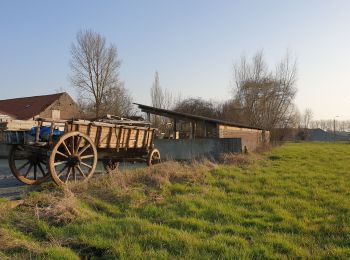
<point x="265" y="96"/>
<point x="230" y="110"/>
<point x="307" y="117"/>
<point x="161" y="97"/>
<point x="94" y="68"/>
<point x="199" y="107"/>
<point x="157" y="94"/>
<point x="118" y="101"/>
<point x="315" y="124"/>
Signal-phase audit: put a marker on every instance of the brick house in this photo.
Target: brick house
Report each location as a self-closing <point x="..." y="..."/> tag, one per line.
<point x="56" y="106"/>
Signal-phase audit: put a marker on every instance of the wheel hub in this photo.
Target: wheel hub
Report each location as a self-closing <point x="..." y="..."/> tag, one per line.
<point x="73" y="160"/>
<point x="34" y="159"/>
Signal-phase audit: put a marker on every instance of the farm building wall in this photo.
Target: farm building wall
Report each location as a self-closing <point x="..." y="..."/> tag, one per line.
<point x="62" y="108"/>
<point x="251" y="138"/>
<point x="189" y="149"/>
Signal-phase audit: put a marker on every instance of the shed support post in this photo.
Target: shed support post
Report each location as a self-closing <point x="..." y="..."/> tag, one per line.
<point x="174" y="129"/>
<point x="193" y="130"/>
<point x="148" y="117"/>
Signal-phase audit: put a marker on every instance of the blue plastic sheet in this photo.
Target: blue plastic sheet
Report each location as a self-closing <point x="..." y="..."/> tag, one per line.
<point x="45" y="132"/>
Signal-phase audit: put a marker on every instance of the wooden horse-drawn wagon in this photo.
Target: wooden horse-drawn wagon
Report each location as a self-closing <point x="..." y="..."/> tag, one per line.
<point x="68" y="150"/>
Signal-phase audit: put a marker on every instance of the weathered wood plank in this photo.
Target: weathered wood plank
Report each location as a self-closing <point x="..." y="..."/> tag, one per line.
<point x="17" y="125"/>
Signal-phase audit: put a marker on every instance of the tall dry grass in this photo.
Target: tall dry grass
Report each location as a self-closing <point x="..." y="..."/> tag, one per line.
<point x="155" y="176"/>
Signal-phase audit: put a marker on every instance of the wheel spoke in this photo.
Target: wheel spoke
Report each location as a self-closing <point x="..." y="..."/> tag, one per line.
<point x="62" y="154"/>
<point x="78" y="144"/>
<point x="41" y="169"/>
<point x="20" y="157"/>
<point x="59" y="163"/>
<point x="84" y="149"/>
<point x="29" y="168"/>
<point x="87" y="156"/>
<point x="66" y="148"/>
<point x="34" y="171"/>
<point x="81" y="171"/>
<point x="86" y="165"/>
<point x="24" y="165"/>
<point x="61" y="171"/>
<point x="68" y="175"/>
<point x="73" y="149"/>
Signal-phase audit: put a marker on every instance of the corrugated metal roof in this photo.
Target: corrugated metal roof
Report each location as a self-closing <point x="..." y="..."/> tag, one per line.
<point x="27" y="107"/>
<point x="189" y="117"/>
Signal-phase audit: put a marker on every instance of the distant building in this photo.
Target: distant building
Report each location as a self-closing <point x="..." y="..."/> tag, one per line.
<point x="305" y="134"/>
<point x="55" y="106"/>
<point x="321" y="135"/>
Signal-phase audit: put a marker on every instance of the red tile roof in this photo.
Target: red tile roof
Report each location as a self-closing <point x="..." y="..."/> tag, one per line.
<point x="27" y="107"/>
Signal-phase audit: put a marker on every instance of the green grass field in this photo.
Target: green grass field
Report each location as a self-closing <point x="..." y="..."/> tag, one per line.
<point x="291" y="202"/>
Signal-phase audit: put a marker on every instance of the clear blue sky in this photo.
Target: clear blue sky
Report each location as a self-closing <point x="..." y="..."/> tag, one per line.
<point x="192" y="44"/>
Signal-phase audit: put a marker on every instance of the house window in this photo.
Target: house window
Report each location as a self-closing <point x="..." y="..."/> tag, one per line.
<point x="55" y="114"/>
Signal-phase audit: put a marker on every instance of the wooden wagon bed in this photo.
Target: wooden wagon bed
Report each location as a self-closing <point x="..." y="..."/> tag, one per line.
<point x="106" y="135"/>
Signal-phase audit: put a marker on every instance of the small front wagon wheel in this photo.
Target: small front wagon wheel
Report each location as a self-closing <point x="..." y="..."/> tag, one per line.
<point x="28" y="165"/>
<point x="73" y="158"/>
<point x="153" y="157"/>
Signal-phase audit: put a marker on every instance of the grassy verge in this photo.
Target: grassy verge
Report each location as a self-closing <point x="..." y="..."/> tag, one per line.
<point x="291" y="202"/>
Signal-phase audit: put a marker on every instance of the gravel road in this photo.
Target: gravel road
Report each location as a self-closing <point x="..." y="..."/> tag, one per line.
<point x="10" y="187"/>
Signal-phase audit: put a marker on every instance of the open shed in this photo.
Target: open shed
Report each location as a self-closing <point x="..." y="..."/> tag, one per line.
<point x="187" y="126"/>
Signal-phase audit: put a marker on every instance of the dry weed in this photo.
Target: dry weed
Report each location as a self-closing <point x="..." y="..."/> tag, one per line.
<point x="57" y="207"/>
<point x="264" y="148"/>
<point x="170" y="172"/>
<point x="5" y="208"/>
<point x="240" y="160"/>
<point x="155" y="176"/>
<point x="137" y="187"/>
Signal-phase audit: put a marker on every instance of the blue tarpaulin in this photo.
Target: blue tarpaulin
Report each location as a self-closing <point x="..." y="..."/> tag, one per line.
<point x="45" y="132"/>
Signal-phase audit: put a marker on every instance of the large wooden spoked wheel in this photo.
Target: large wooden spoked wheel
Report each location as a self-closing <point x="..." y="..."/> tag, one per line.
<point x="153" y="157"/>
<point x="28" y="165"/>
<point x="73" y="158"/>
